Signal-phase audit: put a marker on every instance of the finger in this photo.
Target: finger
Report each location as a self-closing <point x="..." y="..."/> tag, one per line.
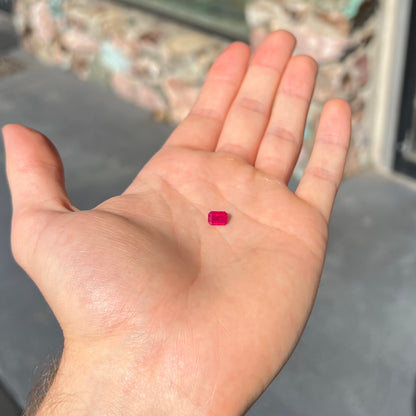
<point x="34" y="170"/>
<point x="250" y="111"/>
<point x="203" y="125"/>
<point x="280" y="146"/>
<point x="323" y="174"/>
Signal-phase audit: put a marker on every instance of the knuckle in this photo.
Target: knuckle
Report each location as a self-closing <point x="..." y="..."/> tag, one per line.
<point x="332" y="139"/>
<point x="253" y="105"/>
<point x="283" y="134"/>
<point x="323" y="174"/>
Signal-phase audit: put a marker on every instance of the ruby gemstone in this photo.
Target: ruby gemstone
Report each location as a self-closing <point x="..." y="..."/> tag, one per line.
<point x="218" y="218"/>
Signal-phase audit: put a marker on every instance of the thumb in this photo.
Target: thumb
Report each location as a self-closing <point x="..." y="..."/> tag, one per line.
<point x="36" y="179"/>
<point x="34" y="171"/>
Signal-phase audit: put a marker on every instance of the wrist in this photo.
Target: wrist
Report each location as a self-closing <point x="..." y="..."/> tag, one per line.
<point x="86" y="383"/>
<point x="95" y="381"/>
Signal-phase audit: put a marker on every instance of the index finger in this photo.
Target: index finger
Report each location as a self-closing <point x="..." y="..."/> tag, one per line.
<point x="202" y="127"/>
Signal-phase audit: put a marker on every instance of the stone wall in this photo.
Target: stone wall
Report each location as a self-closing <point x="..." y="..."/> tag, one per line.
<point x="161" y="65"/>
<point x="152" y="62"/>
<point x="339" y="35"/>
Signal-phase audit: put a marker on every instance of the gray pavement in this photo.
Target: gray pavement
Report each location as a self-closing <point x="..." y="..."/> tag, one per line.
<point x="358" y="353"/>
<point x="8" y="406"/>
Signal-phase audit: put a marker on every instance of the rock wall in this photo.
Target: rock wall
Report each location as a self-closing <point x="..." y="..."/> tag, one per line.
<point x="339" y="35"/>
<point x="161" y="65"/>
<point x="152" y="62"/>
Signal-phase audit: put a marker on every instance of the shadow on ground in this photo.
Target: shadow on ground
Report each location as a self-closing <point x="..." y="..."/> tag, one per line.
<point x="8" y="38"/>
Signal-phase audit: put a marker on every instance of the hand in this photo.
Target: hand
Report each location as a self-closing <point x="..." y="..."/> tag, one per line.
<point x="161" y="312"/>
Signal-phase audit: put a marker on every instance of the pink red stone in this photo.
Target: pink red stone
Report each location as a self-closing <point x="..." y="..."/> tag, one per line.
<point x="218" y="218"/>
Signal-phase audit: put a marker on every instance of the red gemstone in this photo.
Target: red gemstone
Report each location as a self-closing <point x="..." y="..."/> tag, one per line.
<point x="218" y="218"/>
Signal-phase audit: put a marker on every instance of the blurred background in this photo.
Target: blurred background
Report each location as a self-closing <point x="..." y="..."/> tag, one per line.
<point x="108" y="81"/>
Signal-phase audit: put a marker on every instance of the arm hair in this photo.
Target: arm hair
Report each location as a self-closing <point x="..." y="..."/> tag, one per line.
<point x="42" y="386"/>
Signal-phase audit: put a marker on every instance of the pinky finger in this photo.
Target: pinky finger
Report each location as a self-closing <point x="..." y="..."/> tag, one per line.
<point x="325" y="169"/>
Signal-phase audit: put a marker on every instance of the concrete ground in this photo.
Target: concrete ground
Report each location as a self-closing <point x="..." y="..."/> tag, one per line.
<point x="358" y="353"/>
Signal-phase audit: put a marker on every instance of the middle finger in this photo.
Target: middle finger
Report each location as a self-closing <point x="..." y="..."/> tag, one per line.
<point x="250" y="111"/>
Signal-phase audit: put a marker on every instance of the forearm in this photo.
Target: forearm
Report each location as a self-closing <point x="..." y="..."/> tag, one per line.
<point x="92" y="382"/>
<point x="88" y="383"/>
<point x="42" y="386"/>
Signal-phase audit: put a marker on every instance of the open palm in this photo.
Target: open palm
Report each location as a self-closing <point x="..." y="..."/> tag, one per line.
<point x="205" y="314"/>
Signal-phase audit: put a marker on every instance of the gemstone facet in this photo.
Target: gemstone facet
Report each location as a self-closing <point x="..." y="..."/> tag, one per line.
<point x="218" y="218"/>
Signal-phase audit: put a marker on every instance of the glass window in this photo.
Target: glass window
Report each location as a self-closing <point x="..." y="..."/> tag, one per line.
<point x="224" y="17"/>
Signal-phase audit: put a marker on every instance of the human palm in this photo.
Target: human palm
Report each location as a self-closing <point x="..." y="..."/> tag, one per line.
<point x="208" y="312"/>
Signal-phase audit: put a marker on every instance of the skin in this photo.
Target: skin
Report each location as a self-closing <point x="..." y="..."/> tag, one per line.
<point x="162" y="313"/>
